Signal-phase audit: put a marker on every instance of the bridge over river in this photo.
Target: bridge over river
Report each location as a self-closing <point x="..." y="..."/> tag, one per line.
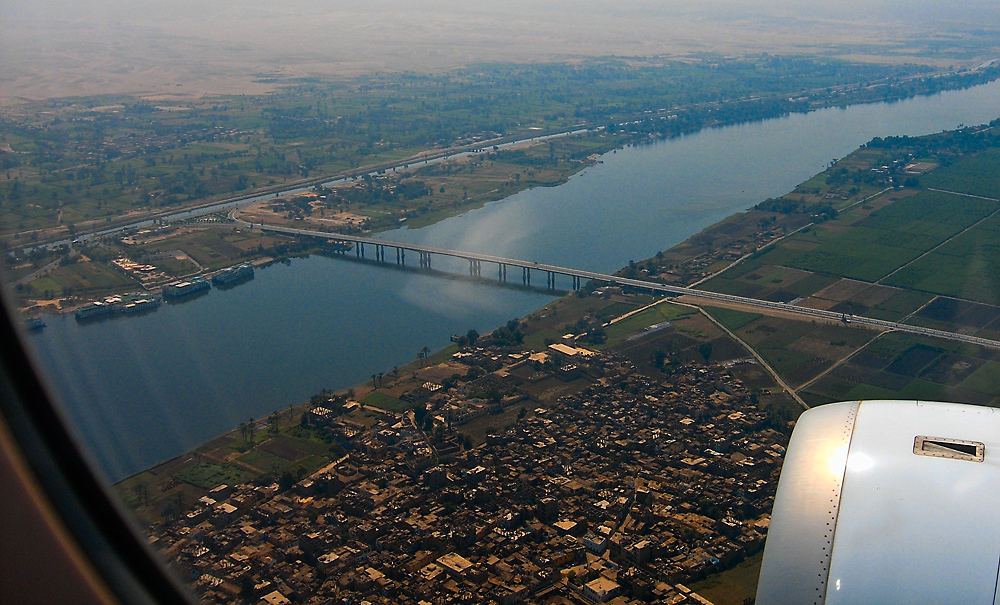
<point x="425" y="253"/>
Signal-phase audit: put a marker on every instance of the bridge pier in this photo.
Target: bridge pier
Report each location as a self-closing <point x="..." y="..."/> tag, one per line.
<point x="359" y="249"/>
<point x="550" y="280"/>
<point x="425" y="259"/>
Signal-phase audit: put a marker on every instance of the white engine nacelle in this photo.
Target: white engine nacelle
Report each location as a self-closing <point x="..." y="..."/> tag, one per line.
<point x="887" y="502"/>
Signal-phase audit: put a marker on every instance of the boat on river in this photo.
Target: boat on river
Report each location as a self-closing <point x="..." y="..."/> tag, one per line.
<point x="233" y="274"/>
<point x="186" y="288"/>
<point x="124" y="303"/>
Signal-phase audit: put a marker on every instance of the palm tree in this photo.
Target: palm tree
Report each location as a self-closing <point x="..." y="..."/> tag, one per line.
<point x="380" y="378"/>
<point x="424" y="352"/>
<point x="373" y="381"/>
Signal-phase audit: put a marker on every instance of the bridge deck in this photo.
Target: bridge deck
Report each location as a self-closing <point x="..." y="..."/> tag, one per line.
<point x="643" y="284"/>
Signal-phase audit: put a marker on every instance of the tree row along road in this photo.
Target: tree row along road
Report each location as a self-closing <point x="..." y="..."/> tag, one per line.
<point x="643" y="284"/>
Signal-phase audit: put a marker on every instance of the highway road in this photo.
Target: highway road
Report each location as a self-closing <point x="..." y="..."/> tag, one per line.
<point x="643" y="284"/>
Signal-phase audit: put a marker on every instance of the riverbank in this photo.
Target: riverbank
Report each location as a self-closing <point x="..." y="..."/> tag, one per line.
<point x="312" y="316"/>
<point x="427" y="194"/>
<point x="592" y="315"/>
<point x="95" y="268"/>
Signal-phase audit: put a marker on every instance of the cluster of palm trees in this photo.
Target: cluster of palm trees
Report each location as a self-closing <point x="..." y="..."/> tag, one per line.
<point x="377" y="378"/>
<point x="422" y="355"/>
<point x="248" y="430"/>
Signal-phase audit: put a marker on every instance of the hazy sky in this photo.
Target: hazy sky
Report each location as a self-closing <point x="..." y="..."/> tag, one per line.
<point x="50" y="47"/>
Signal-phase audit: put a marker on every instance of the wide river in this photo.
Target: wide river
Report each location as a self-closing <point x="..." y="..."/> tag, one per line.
<point x="143" y="389"/>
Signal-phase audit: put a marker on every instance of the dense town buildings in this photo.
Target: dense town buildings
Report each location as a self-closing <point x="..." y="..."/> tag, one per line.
<point x="623" y="492"/>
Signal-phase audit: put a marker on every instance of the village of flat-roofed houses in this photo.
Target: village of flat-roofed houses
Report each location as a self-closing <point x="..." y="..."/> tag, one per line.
<point x="625" y="491"/>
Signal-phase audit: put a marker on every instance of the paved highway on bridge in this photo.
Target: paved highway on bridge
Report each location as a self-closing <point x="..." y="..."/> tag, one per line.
<point x="638" y="283"/>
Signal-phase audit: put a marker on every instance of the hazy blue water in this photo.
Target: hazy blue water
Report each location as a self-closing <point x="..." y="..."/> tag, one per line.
<point x="143" y="389"/>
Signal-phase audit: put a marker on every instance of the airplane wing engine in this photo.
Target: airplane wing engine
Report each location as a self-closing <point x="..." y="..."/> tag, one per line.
<point x="887" y="502"/>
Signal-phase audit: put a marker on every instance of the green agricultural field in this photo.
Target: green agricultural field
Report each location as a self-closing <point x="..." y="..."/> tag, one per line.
<point x="924" y="390"/>
<point x="640" y="321"/>
<point x="175" y="266"/>
<point x="892" y="236"/>
<point x="899" y="305"/>
<point x="207" y="475"/>
<point x="810" y="285"/>
<point x="79" y="278"/>
<point x="129" y="490"/>
<point x="915" y="390"/>
<point x="976" y="175"/>
<point x="311" y="464"/>
<point x="797" y="367"/>
<point x="313" y="446"/>
<point x="212" y="248"/>
<point x="385" y="402"/>
<point x="965" y="267"/>
<point x="828" y="389"/>
<point x="732" y="318"/>
<point x="736" y="586"/>
<point x="985" y="380"/>
<point x="903" y="366"/>
<point x="725" y="283"/>
<point x="787" y="332"/>
<point x="867" y="391"/>
<point x="265" y="462"/>
<point x="896" y="343"/>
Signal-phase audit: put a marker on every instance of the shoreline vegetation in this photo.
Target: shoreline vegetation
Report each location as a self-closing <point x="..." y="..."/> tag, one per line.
<point x="149" y="160"/>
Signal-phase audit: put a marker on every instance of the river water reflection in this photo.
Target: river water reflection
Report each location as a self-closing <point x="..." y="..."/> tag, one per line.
<point x="143" y="389"/>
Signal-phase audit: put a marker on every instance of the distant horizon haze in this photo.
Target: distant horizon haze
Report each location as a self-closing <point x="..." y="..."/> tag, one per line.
<point x="53" y="48"/>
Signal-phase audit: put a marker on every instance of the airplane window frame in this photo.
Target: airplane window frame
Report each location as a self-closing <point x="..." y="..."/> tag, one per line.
<point x="105" y="535"/>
